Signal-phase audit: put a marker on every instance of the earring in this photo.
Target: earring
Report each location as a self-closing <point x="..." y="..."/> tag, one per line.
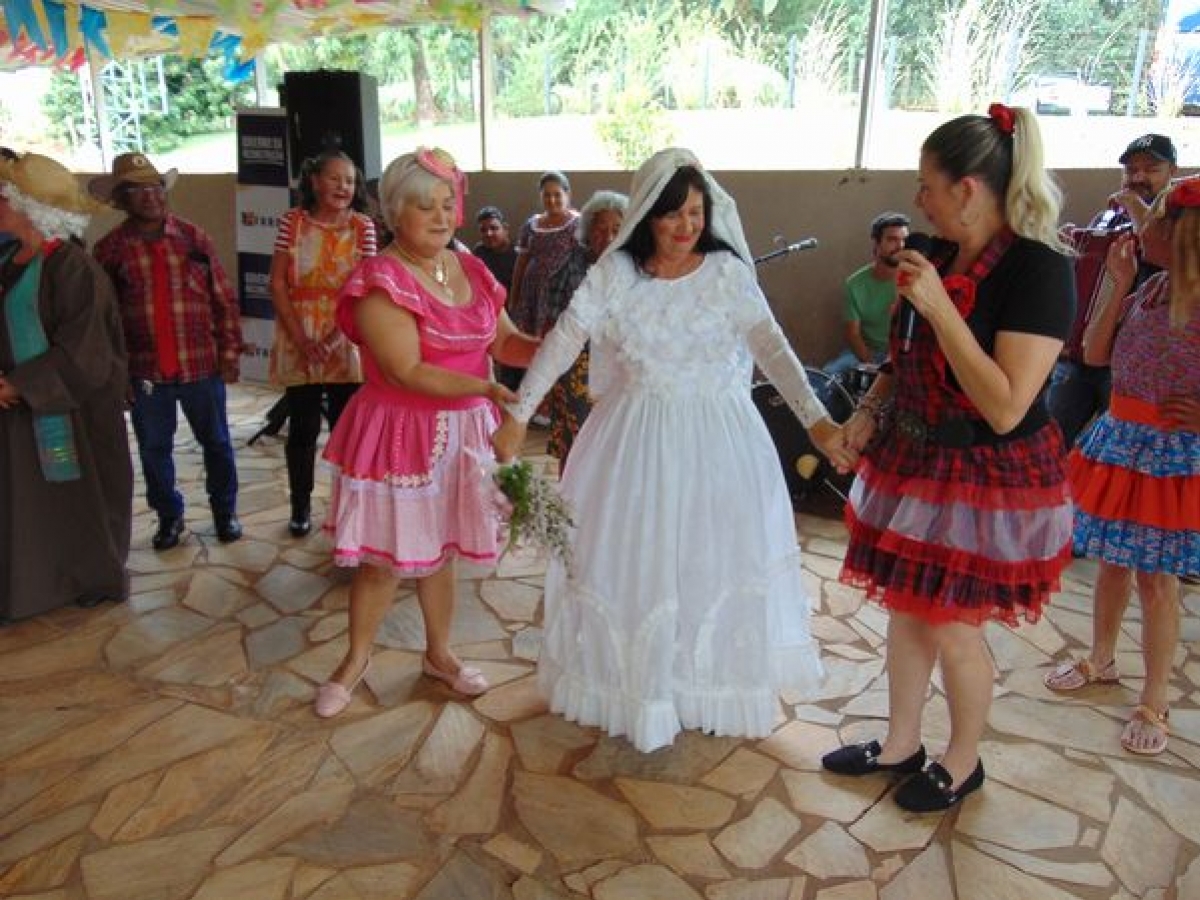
<point x="966" y="221"/>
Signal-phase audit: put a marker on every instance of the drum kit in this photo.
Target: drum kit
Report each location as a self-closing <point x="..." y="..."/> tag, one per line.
<point x="804" y="466"/>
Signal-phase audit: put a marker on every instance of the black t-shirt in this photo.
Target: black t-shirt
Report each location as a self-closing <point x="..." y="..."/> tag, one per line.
<point x="1031" y="290"/>
<point x="499" y="262"/>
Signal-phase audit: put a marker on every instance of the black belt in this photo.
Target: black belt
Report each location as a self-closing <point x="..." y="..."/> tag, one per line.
<point x="950" y="433"/>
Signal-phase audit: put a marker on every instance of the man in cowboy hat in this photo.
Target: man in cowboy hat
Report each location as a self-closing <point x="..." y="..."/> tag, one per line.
<point x="183" y="333"/>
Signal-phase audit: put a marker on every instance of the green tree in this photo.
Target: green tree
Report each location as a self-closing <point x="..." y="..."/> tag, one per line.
<point x="198" y="101"/>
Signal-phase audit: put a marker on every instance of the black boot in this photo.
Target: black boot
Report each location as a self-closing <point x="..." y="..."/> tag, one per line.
<point x="300" y="463"/>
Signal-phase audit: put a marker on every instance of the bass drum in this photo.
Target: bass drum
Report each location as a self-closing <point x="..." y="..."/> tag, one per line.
<point x="804" y="467"/>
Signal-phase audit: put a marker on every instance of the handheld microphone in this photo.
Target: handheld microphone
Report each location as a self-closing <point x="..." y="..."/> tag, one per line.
<point x="922" y="243"/>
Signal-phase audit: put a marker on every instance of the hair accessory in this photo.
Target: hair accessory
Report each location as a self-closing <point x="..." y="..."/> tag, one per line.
<point x="1184" y="194"/>
<point x="1003" y="117"/>
<point x="440" y="163"/>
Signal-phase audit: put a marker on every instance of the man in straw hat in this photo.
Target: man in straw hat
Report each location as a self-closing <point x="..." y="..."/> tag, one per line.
<point x="184" y="337"/>
<point x="66" y="482"/>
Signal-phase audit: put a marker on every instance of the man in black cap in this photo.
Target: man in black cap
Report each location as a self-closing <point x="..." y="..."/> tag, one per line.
<point x="1078" y="391"/>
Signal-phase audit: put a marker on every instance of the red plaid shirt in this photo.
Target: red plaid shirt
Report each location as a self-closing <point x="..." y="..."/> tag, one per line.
<point x="204" y="307"/>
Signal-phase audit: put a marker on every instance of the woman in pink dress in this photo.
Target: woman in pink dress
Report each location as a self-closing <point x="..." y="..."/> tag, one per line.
<point x="408" y="497"/>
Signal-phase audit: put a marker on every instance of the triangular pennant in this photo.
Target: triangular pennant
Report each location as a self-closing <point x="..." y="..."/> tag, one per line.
<point x="195" y="35"/>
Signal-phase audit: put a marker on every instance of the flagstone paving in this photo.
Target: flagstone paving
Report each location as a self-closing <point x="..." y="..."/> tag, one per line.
<point x="165" y="749"/>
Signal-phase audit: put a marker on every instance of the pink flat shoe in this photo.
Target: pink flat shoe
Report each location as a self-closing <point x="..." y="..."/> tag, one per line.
<point x="333" y="698"/>
<point x="466" y="681"/>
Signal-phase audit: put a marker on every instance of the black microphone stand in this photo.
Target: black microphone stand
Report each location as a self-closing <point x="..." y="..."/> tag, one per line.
<point x="806" y="244"/>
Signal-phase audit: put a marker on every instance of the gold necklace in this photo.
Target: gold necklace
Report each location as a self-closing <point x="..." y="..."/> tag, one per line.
<point x="440" y="273"/>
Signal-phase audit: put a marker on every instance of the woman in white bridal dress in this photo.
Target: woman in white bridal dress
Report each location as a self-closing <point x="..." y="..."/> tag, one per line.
<point x="684" y="605"/>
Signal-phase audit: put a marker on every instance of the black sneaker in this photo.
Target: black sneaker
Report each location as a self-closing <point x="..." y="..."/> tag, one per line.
<point x="229" y="529"/>
<point x="168" y="534"/>
<point x="929" y="791"/>
<point x="863" y="759"/>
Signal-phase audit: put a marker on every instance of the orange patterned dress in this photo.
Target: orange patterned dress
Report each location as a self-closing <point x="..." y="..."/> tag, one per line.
<point x="322" y="257"/>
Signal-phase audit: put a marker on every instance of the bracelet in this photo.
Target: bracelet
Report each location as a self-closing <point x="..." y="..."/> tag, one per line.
<point x="877" y="409"/>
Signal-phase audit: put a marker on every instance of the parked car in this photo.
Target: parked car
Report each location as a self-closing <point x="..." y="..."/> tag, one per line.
<point x="1063" y="95"/>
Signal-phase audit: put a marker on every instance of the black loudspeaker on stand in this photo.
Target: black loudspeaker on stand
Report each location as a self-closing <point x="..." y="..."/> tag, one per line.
<point x="336" y="108"/>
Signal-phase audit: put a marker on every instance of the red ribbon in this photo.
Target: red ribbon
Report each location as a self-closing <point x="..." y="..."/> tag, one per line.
<point x="1002" y="116"/>
<point x="961" y="289"/>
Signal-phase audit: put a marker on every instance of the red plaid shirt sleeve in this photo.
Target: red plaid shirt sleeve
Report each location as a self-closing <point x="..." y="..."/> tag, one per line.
<point x="227" y="320"/>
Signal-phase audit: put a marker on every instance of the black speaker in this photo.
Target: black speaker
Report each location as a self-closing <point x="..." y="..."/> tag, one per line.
<point x="327" y="107"/>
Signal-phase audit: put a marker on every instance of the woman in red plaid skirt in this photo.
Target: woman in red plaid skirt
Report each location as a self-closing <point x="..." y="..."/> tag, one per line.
<point x="960" y="513"/>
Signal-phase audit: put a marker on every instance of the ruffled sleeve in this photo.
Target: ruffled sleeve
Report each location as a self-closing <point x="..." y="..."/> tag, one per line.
<point x="383" y="274"/>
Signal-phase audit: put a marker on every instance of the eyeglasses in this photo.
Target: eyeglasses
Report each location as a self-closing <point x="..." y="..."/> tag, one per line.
<point x="143" y="189"/>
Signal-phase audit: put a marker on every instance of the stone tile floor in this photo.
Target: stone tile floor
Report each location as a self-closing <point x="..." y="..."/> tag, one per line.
<point x="165" y="749"/>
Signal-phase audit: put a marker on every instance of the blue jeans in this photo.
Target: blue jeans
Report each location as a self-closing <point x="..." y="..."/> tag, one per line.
<point x="847" y="360"/>
<point x="154" y="419"/>
<point x="1077" y="394"/>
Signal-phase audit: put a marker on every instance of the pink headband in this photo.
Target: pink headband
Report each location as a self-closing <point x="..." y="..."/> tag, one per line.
<point x="428" y="160"/>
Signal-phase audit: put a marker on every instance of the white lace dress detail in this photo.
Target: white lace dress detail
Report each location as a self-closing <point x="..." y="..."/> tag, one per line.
<point x="684" y="606"/>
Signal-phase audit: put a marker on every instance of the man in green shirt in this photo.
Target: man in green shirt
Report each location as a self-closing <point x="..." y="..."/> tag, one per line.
<point x="870" y="297"/>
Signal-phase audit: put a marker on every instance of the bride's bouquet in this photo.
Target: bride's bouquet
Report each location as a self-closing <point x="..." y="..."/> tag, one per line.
<point x="536" y="512"/>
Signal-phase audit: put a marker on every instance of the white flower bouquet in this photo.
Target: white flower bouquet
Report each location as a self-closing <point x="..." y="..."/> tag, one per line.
<point x="536" y="512"/>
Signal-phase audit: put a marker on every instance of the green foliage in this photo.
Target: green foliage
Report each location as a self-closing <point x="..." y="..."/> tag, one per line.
<point x="631" y="62"/>
<point x="389" y="56"/>
<point x="199" y="101"/>
<point x="637" y="127"/>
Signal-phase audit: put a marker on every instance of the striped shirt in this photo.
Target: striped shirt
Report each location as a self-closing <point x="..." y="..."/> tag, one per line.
<point x="204" y="307"/>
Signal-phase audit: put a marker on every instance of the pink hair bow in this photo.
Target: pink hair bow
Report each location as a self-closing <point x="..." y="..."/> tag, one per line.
<point x="440" y="163"/>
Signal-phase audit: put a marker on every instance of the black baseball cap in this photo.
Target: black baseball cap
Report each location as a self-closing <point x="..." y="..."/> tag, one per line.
<point x="1157" y="145"/>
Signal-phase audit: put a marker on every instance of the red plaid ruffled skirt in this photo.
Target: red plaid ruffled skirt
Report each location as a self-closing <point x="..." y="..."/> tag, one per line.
<point x="961" y="534"/>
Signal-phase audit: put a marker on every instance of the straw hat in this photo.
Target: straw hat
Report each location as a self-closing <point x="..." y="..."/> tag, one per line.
<point x="42" y="179"/>
<point x="130" y="168"/>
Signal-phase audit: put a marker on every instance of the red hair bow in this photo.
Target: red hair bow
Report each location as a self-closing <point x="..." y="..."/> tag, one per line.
<point x="1002" y="116"/>
<point x="1184" y="194"/>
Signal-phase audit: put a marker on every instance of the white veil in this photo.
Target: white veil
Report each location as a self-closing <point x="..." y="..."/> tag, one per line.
<point x="648" y="183"/>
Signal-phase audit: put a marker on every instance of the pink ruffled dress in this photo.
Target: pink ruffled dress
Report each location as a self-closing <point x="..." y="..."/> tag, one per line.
<point x="409" y="491"/>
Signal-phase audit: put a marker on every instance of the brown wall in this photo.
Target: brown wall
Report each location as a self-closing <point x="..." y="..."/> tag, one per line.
<point x="804" y="288"/>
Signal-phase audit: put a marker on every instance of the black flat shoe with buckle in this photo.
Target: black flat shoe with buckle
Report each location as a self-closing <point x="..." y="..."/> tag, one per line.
<point x="929" y="791"/>
<point x="863" y="759"/>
